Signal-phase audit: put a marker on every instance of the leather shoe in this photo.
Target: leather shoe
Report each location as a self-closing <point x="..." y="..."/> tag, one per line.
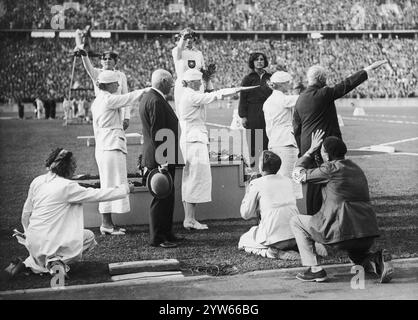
<point x="167" y="245"/>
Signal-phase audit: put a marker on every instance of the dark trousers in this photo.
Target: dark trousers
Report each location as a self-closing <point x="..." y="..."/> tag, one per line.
<point x="47" y="108"/>
<point x="312" y="193"/>
<point x="357" y="249"/>
<point x="161" y="216"/>
<point x="313" y="197"/>
<point x="21" y="109"/>
<point x="53" y="110"/>
<point x="257" y="142"/>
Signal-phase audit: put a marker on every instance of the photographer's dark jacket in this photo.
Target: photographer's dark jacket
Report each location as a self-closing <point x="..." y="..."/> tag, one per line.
<point x="346" y="212"/>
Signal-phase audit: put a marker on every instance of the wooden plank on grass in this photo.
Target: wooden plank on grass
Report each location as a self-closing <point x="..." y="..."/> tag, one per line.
<point x="143" y="266"/>
<point x="149" y="275"/>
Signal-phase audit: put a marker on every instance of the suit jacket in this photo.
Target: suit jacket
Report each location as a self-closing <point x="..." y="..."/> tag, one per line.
<point x="251" y="101"/>
<point x="156" y="114"/>
<point x="346" y="212"/>
<point x="315" y="109"/>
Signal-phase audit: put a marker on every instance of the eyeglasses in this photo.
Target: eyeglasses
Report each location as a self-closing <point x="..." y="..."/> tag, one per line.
<point x="107" y="58"/>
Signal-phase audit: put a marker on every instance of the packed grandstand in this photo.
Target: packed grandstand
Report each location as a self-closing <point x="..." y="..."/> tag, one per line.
<point x="222" y="15"/>
<point x="37" y="67"/>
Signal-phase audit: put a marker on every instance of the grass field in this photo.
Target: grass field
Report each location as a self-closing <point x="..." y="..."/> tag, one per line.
<point x="392" y="179"/>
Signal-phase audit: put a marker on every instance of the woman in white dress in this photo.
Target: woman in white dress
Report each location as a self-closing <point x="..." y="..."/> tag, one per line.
<point x="270" y="198"/>
<point x="197" y="178"/>
<point x="111" y="147"/>
<point x="52" y="216"/>
<point x="186" y="56"/>
<point x="278" y="114"/>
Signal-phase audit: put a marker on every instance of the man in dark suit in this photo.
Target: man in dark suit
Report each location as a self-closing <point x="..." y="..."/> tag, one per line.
<point x="158" y="118"/>
<point x="315" y="110"/>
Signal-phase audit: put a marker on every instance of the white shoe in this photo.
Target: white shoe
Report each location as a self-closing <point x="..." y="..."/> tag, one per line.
<point x="121" y="229"/>
<point x="112" y="231"/>
<point x="195" y="225"/>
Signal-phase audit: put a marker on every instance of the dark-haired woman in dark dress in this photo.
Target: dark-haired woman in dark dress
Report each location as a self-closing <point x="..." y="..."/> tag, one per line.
<point x="250" y="107"/>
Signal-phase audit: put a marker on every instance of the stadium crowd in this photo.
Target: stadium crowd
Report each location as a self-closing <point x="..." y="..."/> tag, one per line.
<point x="42" y="67"/>
<point x="222" y="15"/>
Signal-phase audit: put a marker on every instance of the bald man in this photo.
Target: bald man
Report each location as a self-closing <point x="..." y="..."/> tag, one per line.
<point x="159" y="121"/>
<point x="315" y="110"/>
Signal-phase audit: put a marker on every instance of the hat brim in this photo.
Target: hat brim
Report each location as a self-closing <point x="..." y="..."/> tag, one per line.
<point x="170" y="182"/>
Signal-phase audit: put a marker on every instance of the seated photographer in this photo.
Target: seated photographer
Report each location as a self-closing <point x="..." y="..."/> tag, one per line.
<point x="271" y="199"/>
<point x="52" y="216"/>
<point x="346" y="219"/>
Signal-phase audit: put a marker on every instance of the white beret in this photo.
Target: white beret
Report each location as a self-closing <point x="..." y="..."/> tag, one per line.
<point x="108" y="76"/>
<point x="192" y="74"/>
<point x="280" y="77"/>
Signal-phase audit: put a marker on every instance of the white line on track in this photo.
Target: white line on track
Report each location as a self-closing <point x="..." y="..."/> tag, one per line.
<point x="387" y="116"/>
<point x="360" y="149"/>
<point x="398" y="141"/>
<point x="404" y="154"/>
<point x="378" y="120"/>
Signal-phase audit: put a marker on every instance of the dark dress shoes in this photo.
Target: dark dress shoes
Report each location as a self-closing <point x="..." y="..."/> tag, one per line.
<point x="168" y="244"/>
<point x="165" y="244"/>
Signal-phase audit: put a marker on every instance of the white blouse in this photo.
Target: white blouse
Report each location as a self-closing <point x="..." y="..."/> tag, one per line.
<point x="52" y="217"/>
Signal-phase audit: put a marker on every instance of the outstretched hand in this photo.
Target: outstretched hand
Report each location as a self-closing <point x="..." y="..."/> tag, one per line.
<point x="316" y="140"/>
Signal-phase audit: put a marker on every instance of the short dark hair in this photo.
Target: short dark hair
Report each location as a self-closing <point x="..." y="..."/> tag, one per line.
<point x="271" y="162"/>
<point x="254" y="56"/>
<point x="59" y="162"/>
<point x="335" y="147"/>
<point x="110" y="54"/>
<point x="102" y="86"/>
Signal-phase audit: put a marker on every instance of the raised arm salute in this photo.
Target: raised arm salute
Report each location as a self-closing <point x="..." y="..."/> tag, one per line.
<point x="109" y="61"/>
<point x="315" y="110"/>
<point x="111" y="147"/>
<point x="186" y="56"/>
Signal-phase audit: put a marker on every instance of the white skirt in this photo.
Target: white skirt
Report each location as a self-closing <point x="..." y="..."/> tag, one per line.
<point x="113" y="172"/>
<point x="289" y="156"/>
<point x="196" y="184"/>
<point x="273" y="228"/>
